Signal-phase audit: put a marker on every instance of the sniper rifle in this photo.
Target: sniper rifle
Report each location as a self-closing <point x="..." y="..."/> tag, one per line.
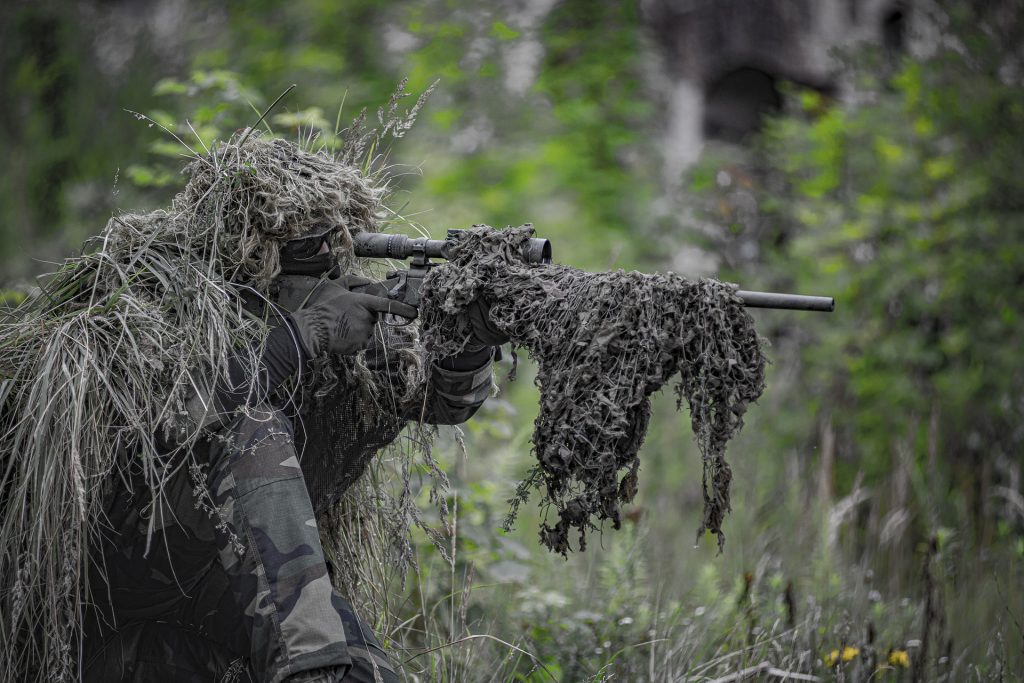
<point x="536" y="251"/>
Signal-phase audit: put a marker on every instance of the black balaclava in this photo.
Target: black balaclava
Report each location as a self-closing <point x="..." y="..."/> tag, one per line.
<point x="305" y="261"/>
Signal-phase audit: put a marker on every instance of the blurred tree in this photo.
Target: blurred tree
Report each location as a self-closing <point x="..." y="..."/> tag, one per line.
<point x="67" y="72"/>
<point x="904" y="202"/>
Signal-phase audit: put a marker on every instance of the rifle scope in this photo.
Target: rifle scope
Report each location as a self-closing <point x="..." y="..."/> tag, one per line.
<point x="382" y="245"/>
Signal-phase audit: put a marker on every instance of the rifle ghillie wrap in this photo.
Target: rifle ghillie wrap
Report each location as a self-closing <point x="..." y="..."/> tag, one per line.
<point x="96" y="367"/>
<point x="604" y="343"/>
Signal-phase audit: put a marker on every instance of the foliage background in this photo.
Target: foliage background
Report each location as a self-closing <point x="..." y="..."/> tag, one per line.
<point x="878" y="496"/>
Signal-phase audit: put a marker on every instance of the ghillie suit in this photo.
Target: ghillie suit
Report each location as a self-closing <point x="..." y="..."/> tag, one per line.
<point x="604" y="343"/>
<point x="99" y="368"/>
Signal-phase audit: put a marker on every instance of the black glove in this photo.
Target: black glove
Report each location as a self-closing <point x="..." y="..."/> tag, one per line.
<point x="484" y="332"/>
<point x="338" y="321"/>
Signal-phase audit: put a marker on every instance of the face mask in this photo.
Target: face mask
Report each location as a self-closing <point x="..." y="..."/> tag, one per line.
<point x="314" y="266"/>
<point x="304" y="262"/>
<point x="309" y="254"/>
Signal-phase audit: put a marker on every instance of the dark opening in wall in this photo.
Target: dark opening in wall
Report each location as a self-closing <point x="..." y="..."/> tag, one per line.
<point x="735" y="102"/>
<point x="894" y="29"/>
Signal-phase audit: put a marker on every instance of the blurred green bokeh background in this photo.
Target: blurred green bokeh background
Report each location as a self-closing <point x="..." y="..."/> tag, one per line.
<point x="865" y="150"/>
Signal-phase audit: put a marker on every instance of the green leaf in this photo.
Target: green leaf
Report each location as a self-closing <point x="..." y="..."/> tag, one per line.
<point x="501" y="31"/>
<point x="170" y="86"/>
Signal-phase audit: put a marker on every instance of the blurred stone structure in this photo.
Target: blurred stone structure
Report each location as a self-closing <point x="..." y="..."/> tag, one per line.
<point x="725" y="59"/>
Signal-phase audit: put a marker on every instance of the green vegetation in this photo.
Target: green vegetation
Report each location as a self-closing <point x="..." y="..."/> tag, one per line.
<point x="877" y="526"/>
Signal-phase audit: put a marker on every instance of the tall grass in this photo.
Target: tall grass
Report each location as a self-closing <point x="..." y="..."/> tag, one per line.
<point x="804" y="590"/>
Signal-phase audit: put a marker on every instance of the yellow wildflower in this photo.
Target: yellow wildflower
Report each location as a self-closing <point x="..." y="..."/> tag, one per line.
<point x="835" y="656"/>
<point x="899" y="658"/>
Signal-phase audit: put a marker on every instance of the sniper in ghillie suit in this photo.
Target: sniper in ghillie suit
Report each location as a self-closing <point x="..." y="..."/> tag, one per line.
<point x="185" y="407"/>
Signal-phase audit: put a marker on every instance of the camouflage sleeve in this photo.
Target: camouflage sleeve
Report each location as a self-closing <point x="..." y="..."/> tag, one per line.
<point x="453" y="396"/>
<point x="212" y="401"/>
<point x="454" y="389"/>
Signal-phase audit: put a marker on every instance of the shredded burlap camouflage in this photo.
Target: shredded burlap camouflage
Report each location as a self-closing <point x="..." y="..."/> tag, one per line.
<point x="604" y="343"/>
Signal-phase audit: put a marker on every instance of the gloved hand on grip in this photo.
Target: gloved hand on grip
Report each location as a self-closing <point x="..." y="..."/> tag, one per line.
<point x="484" y="343"/>
<point x="484" y="332"/>
<point x="338" y="321"/>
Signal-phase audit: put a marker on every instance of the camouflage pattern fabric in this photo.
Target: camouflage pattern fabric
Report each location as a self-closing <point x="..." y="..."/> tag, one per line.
<point x="243" y="593"/>
<point x="234" y="584"/>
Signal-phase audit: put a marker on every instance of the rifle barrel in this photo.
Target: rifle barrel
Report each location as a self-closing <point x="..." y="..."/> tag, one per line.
<point x="793" y="302"/>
